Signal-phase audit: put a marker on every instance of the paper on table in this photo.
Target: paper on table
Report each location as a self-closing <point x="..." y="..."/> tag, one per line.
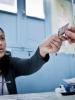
<point x="70" y="81"/>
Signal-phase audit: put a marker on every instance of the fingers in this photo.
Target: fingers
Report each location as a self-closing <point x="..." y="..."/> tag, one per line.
<point x="62" y="38"/>
<point x="72" y="29"/>
<point x="55" y="44"/>
<point x="57" y="40"/>
<point x="71" y="41"/>
<point x="70" y="35"/>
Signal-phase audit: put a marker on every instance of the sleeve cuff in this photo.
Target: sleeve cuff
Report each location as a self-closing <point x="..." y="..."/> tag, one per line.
<point x="46" y="58"/>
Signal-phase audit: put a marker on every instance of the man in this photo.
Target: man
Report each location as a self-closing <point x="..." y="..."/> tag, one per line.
<point x="11" y="67"/>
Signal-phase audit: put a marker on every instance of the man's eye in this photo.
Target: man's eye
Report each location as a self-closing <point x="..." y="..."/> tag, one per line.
<point x="3" y="38"/>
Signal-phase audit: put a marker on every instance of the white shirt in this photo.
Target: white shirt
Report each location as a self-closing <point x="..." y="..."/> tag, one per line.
<point x="3" y="86"/>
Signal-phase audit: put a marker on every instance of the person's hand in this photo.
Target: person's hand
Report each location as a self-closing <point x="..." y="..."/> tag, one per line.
<point x="51" y="45"/>
<point x="70" y="34"/>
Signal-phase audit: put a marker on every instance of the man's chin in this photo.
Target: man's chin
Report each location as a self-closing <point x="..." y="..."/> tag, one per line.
<point x="1" y="55"/>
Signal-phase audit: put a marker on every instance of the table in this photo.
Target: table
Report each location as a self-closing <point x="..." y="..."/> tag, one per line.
<point x="38" y="96"/>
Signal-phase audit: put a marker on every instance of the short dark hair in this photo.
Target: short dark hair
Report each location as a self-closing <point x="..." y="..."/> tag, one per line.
<point x="1" y="30"/>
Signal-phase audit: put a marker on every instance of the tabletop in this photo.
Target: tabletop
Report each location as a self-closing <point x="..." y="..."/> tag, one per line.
<point x="38" y="96"/>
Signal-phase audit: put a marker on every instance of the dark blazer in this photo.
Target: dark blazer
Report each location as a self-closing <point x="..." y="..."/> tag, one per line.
<point x="13" y="67"/>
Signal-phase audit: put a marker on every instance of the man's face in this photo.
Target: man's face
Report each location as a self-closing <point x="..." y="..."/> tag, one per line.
<point x="2" y="44"/>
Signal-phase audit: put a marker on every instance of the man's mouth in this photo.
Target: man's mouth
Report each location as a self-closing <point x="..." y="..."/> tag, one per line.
<point x="1" y="50"/>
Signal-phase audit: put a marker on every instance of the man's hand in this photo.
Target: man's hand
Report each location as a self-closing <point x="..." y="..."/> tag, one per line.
<point x="70" y="34"/>
<point x="51" y="45"/>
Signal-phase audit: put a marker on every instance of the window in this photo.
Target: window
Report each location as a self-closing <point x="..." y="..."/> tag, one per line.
<point x="8" y="5"/>
<point x="35" y="8"/>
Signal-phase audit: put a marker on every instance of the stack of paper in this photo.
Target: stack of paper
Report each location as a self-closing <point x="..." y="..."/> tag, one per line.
<point x="70" y="81"/>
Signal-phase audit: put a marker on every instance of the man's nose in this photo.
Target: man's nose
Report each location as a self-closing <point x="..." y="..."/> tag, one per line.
<point x="0" y="42"/>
